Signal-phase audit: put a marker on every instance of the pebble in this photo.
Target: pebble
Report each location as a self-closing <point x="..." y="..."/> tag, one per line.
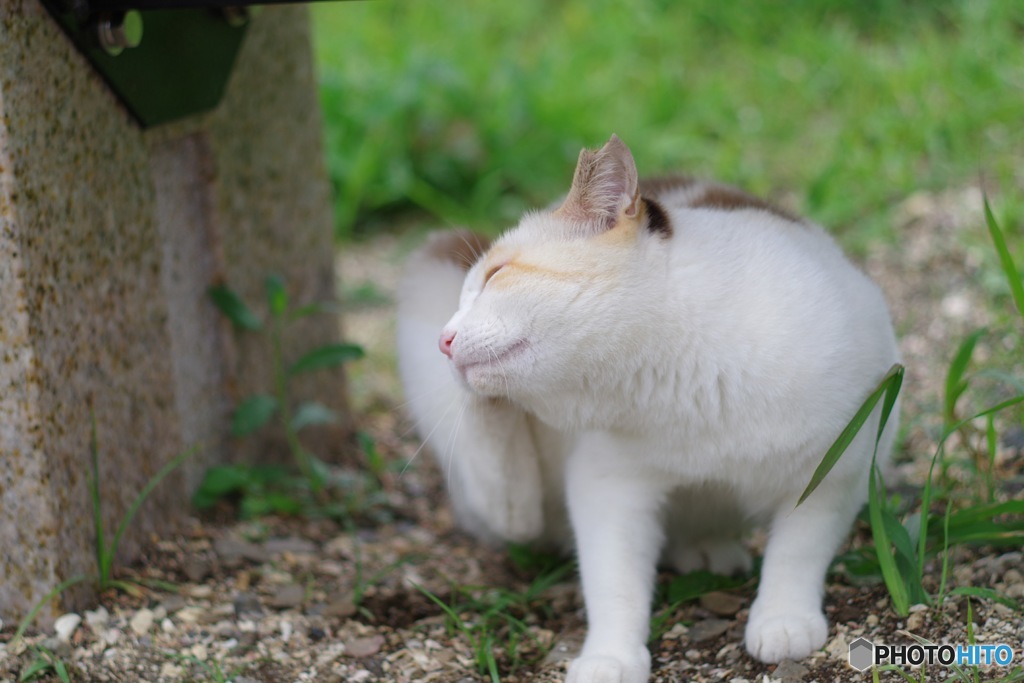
<point x="871" y="620"/>
<point x="233" y="550"/>
<point x="142" y="621"/>
<point x="288" y="596"/>
<point x="201" y="592"/>
<point x="722" y="604"/>
<point x="915" y="620"/>
<point x="286" y="631"/>
<point x="173" y="603"/>
<point x="197" y="568"/>
<point x="61" y="648"/>
<point x="98" y="618"/>
<point x="364" y="647"/>
<point x="172" y="671"/>
<point x="838" y="648"/>
<point x="167" y="626"/>
<point x="65" y="626"/>
<point x="789" y="671"/>
<point x="317" y="634"/>
<point x="189" y="615"/>
<point x="247" y="604"/>
<point x="340" y="607"/>
<point x="291" y="544"/>
<point x="708" y="629"/>
<point x="564" y="650"/>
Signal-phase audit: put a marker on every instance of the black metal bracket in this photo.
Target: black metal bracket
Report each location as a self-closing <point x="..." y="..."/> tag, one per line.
<point x="164" y="59"/>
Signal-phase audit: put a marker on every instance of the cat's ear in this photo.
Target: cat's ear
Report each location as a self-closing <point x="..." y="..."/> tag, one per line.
<point x="605" y="186"/>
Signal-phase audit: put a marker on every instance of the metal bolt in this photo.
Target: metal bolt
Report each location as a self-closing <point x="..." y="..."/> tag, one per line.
<point x="236" y="16"/>
<point x="117" y="33"/>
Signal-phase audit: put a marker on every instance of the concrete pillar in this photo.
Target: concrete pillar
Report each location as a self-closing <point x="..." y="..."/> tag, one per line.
<point x="109" y="238"/>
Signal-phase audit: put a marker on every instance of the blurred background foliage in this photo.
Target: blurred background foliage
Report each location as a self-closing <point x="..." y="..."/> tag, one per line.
<point x="474" y="111"/>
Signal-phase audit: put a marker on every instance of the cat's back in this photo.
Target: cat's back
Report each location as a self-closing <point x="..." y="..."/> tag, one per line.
<point x="770" y="286"/>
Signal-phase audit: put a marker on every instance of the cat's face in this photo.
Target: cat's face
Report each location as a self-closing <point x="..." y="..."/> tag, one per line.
<point x="544" y="306"/>
<point x="535" y="309"/>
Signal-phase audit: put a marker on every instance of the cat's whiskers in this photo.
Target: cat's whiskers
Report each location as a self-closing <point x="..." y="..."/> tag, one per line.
<point x="426" y="438"/>
<point x="475" y="247"/>
<point x="450" y="447"/>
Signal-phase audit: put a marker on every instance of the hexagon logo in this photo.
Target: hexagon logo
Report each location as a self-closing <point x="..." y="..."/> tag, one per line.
<point x="862" y="654"/>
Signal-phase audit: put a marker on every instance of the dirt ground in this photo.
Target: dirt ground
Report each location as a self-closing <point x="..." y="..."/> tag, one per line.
<point x="284" y="599"/>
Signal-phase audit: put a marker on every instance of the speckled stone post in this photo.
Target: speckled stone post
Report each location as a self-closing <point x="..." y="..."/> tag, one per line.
<point x="109" y="238"/>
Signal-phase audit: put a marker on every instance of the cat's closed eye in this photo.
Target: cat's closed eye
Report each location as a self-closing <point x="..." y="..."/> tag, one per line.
<point x="491" y="272"/>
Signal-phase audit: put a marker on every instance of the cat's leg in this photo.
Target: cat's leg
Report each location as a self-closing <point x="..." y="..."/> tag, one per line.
<point x="703" y="527"/>
<point x="485" y="447"/>
<point x="720" y="556"/>
<point x="786" y="620"/>
<point x="615" y="512"/>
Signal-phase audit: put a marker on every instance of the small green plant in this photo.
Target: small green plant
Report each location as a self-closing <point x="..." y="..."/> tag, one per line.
<point x="906" y="536"/>
<point x="258" y="410"/>
<point x="45" y="662"/>
<point x="210" y="670"/>
<point x="493" y="620"/>
<point x="106" y="552"/>
<point x="275" y="489"/>
<point x="683" y="589"/>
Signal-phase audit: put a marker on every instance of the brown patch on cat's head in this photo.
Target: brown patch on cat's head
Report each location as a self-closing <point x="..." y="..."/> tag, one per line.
<point x="659" y="185"/>
<point x="733" y="199"/>
<point x="657" y="219"/>
<point x="461" y="247"/>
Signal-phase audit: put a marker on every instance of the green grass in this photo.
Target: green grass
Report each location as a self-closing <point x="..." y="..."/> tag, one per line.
<point x="495" y="620"/>
<point x="974" y="510"/>
<point x="472" y="111"/>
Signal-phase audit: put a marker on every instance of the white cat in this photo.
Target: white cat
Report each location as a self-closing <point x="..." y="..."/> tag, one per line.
<point x="643" y="373"/>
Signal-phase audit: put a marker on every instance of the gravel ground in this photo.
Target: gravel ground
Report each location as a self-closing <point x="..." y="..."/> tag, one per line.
<point x="309" y="600"/>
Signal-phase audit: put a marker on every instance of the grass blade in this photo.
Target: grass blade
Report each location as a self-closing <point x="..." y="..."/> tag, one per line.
<point x="1005" y="259"/>
<point x="890" y="388"/>
<point x="886" y="562"/>
<point x="34" y="612"/>
<point x="987" y="594"/>
<point x="955" y="383"/>
<point x="94" y="493"/>
<point x="153" y="482"/>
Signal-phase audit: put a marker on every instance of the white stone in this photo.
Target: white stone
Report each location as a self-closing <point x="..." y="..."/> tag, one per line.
<point x="98" y="618"/>
<point x="142" y="621"/>
<point x="65" y="626"/>
<point x="915" y="620"/>
<point x="286" y="630"/>
<point x="189" y="615"/>
<point x="167" y="626"/>
<point x="199" y="652"/>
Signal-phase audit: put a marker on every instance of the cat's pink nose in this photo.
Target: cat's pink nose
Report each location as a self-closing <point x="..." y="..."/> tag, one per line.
<point x="445" y="342"/>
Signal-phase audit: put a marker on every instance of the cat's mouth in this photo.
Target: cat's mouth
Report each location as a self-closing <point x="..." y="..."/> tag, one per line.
<point x="489" y="357"/>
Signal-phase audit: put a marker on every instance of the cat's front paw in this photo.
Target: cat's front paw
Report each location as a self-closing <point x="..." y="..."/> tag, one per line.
<point x="785" y="634"/>
<point x="611" y="669"/>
